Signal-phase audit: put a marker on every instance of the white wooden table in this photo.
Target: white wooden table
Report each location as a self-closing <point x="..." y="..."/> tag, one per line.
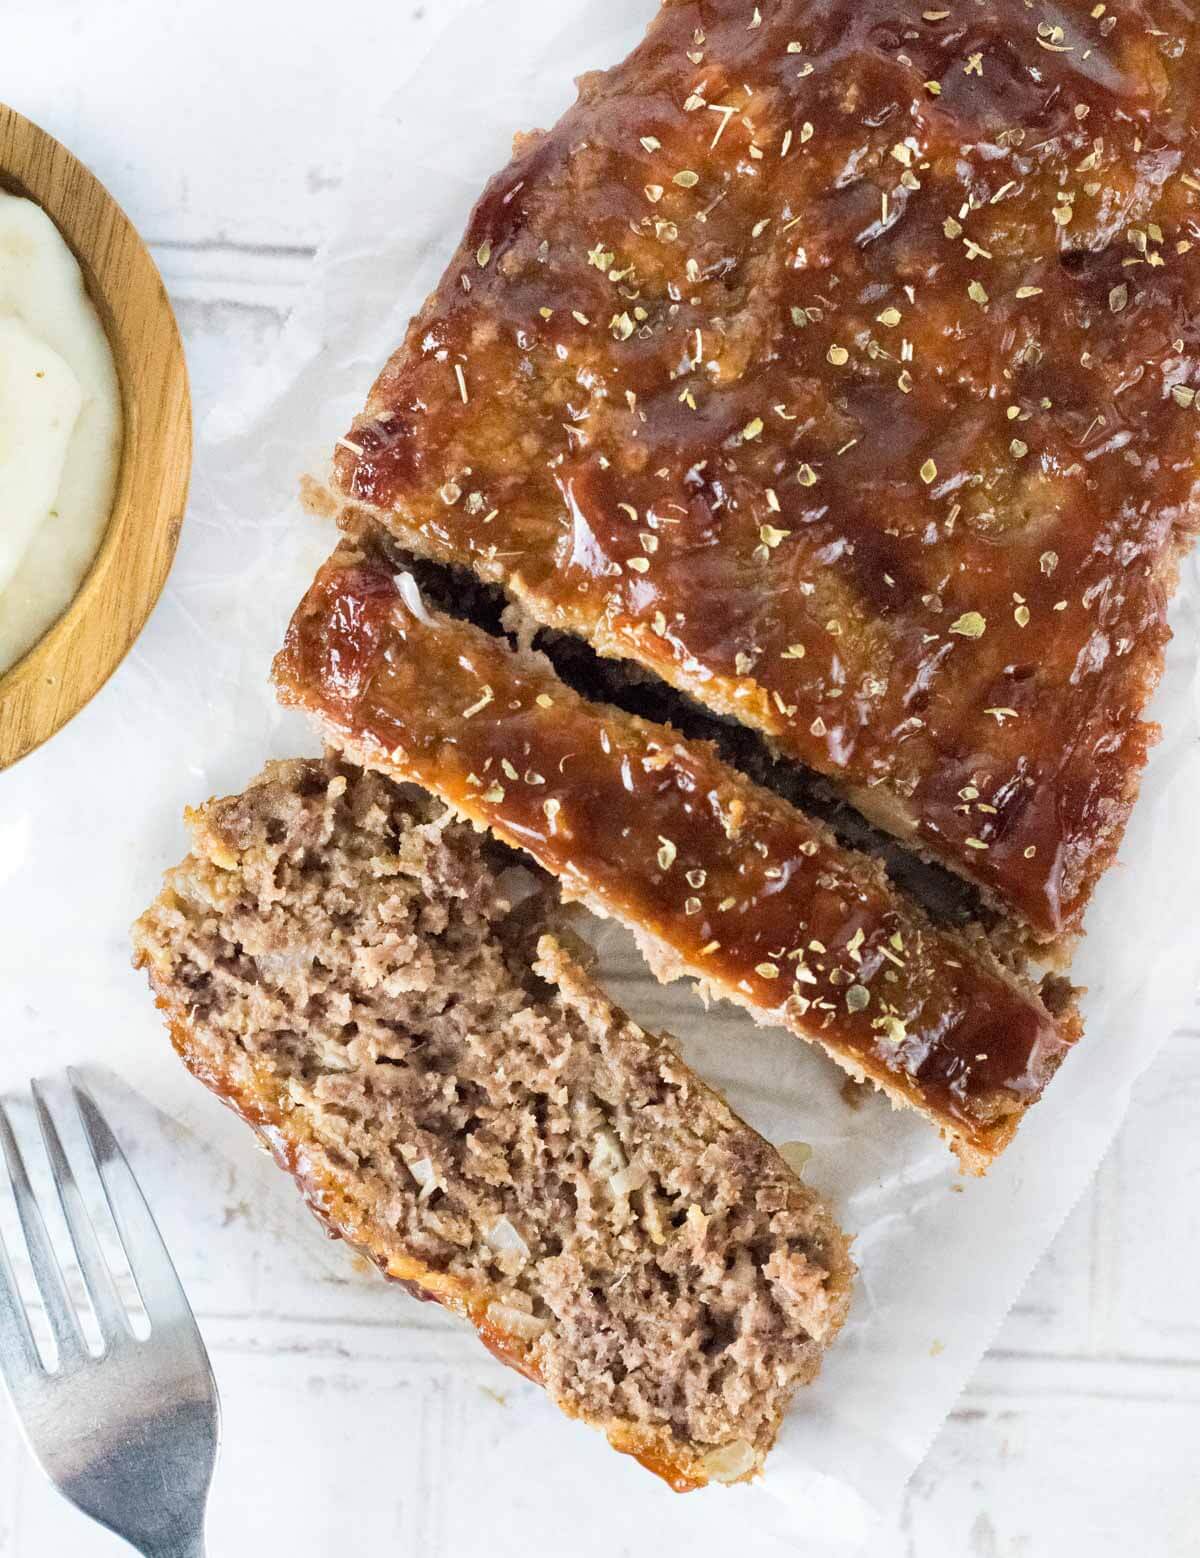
<point x="219" y="126"/>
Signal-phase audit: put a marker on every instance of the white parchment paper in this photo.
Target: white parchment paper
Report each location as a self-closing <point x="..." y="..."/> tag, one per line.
<point x="88" y="823"/>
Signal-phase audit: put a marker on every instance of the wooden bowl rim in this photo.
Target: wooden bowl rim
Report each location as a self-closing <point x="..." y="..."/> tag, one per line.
<point x="69" y="664"/>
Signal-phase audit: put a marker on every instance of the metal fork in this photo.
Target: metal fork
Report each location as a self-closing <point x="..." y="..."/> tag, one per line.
<point x="129" y="1437"/>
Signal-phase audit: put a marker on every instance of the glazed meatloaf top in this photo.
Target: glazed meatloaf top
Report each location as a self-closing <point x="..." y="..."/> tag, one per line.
<point x="349" y="967"/>
<point x="720" y="879"/>
<point x="837" y="362"/>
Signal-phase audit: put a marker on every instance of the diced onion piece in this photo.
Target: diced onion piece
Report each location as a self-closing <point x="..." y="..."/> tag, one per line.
<point x="504" y="1240"/>
<point x="607" y="1157"/>
<point x="796" y="1155"/>
<point x="515" y="883"/>
<point x="515" y="1321"/>
<point x="652" y="1218"/>
<point x="626" y="1180"/>
<point x="410" y="594"/>
<point x="423" y="1171"/>
<point x="729" y="1461"/>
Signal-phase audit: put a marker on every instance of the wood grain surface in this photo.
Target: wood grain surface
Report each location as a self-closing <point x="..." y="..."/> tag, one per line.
<point x="82" y="649"/>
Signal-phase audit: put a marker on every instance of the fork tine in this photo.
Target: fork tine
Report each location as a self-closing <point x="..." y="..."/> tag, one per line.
<point x="18" y="1352"/>
<point x="157" y="1280"/>
<point x="106" y="1302"/>
<point x="47" y="1273"/>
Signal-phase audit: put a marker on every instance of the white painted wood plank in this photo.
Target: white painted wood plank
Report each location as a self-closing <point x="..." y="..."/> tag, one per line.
<point x="222" y="336"/>
<point x="1051" y="1315"/>
<point x="12" y="1466"/>
<point x="218" y="120"/>
<point x="1102" y="1479"/>
<point x="268" y="278"/>
<point x="1145" y="1293"/>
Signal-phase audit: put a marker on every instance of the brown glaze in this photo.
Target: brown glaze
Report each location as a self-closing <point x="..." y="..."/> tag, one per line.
<point x="654" y="1461"/>
<point x="835" y="359"/>
<point x="741" y="889"/>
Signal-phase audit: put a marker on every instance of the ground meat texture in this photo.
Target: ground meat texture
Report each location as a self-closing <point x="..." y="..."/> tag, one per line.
<point x="392" y="1003"/>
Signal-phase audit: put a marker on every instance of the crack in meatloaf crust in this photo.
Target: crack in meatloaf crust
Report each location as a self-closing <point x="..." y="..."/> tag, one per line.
<point x="342" y="962"/>
<point x="838" y="363"/>
<point x="719" y="879"/>
<point x="948" y="898"/>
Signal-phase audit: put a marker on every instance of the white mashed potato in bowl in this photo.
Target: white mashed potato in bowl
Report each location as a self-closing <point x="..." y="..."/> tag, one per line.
<point x="60" y="427"/>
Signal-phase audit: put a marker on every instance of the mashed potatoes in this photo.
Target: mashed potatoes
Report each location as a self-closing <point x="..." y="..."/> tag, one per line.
<point x="60" y="427"/>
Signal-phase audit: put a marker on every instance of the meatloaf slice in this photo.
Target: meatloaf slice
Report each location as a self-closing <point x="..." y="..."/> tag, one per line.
<point x="342" y="962"/>
<point x="720" y="879"/>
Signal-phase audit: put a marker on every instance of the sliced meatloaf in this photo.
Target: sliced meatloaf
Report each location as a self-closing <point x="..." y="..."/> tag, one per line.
<point x="350" y="968"/>
<point x="720" y="879"/>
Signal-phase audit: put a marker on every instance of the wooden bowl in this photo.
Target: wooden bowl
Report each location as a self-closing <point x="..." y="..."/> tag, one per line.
<point x="54" y="680"/>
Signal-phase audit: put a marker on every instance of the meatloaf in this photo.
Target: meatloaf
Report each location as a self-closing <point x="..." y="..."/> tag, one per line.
<point x="721" y="880"/>
<point x="354" y="971"/>
<point x="837" y="363"/>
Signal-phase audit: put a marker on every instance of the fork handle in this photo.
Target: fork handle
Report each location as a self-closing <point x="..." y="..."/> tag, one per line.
<point x="186" y="1545"/>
